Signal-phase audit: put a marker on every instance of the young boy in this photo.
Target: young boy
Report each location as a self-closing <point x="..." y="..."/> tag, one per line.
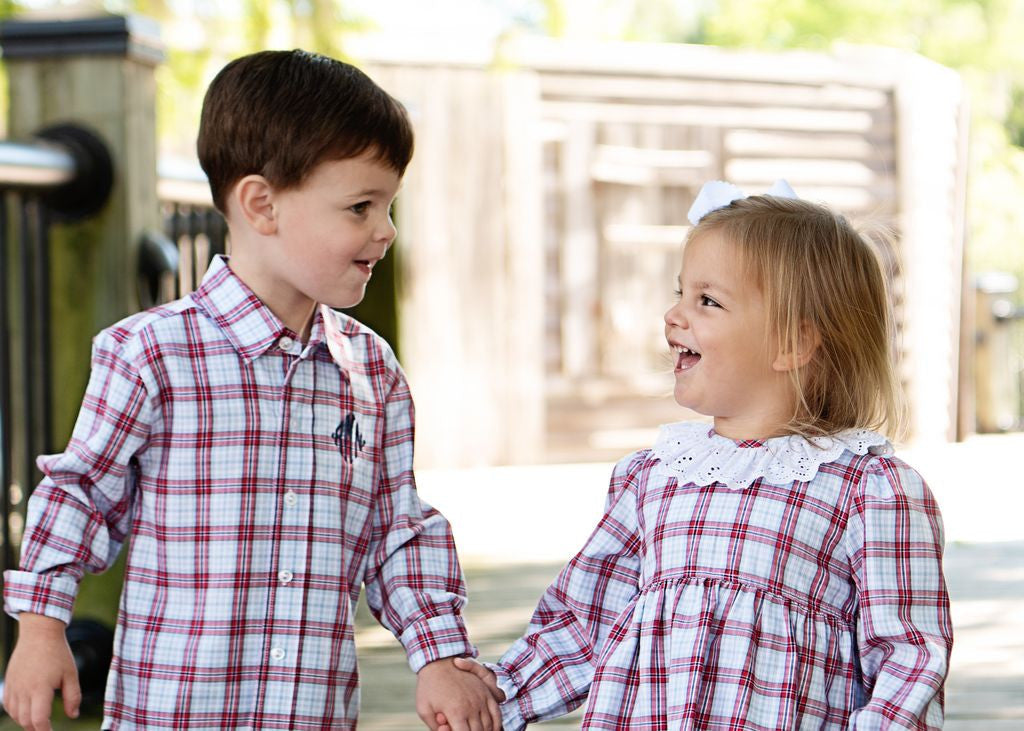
<point x="257" y="446"/>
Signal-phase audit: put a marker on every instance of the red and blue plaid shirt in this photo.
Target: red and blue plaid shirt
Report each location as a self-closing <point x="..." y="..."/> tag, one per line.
<point x="263" y="485"/>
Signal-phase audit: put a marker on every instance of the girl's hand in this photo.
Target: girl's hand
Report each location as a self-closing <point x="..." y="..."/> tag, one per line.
<point x="468" y="665"/>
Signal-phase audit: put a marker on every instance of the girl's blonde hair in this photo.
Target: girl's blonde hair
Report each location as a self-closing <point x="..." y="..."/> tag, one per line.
<point x="821" y="277"/>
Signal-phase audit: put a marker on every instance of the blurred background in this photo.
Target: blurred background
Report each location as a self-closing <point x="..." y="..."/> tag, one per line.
<point x="559" y="145"/>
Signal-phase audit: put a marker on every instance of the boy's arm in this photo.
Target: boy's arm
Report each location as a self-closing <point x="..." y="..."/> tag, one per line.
<point x="548" y="672"/>
<point x="79" y="514"/>
<point x="40" y="664"/>
<point x="904" y="632"/>
<point x="413" y="581"/>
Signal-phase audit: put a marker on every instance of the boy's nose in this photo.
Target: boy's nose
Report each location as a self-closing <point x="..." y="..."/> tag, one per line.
<point x="387" y="231"/>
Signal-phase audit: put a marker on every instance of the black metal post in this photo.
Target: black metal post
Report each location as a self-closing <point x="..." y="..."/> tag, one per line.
<point x="7" y="550"/>
<point x="30" y="332"/>
<point x="44" y="347"/>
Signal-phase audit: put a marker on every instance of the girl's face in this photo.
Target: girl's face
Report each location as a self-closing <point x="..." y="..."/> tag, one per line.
<point x="725" y="366"/>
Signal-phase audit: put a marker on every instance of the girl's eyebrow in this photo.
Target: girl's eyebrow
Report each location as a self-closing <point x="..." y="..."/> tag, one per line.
<point x="705" y="285"/>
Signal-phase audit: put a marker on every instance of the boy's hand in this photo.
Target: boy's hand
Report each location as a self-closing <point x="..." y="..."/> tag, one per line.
<point x="40" y="664"/>
<point x="461" y="698"/>
<point x="469" y="665"/>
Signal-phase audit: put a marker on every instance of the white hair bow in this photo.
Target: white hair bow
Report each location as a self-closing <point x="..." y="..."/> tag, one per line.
<point x="716" y="194"/>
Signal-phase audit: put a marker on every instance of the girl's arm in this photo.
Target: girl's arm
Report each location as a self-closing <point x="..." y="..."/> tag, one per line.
<point x="904" y="630"/>
<point x="548" y="672"/>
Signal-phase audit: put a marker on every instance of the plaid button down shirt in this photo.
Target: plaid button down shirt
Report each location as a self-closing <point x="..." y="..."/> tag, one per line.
<point x="263" y="484"/>
<point x="810" y="605"/>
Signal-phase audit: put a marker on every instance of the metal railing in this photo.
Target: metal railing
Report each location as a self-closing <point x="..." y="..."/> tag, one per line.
<point x="64" y="175"/>
<point x="173" y="263"/>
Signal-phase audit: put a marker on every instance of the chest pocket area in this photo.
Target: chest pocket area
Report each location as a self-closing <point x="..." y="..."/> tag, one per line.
<point x="348" y="432"/>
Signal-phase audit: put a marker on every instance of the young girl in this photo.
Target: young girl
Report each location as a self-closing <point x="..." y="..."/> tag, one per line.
<point x="779" y="569"/>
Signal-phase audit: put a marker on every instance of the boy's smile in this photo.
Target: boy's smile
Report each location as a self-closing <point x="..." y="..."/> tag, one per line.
<point x="325" y="237"/>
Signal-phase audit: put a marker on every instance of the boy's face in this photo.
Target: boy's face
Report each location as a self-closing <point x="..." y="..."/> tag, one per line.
<point x="331" y="232"/>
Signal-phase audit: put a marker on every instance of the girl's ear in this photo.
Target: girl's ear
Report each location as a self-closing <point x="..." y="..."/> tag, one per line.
<point x="796" y="355"/>
<point x="253" y="197"/>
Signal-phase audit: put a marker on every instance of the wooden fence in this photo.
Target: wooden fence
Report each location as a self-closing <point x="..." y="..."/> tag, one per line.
<point x="542" y="218"/>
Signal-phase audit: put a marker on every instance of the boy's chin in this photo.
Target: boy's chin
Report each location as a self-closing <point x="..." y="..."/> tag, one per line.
<point x="345" y="302"/>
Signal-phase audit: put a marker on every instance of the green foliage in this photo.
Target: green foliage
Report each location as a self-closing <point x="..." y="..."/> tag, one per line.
<point x="980" y="38"/>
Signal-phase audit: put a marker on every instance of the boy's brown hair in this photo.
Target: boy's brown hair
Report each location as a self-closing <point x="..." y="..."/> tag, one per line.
<point x="279" y="114"/>
<point x="815" y="269"/>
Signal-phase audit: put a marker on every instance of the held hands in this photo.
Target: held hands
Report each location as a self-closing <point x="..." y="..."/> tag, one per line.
<point x="452" y="699"/>
<point x="40" y="664"/>
<point x="472" y="667"/>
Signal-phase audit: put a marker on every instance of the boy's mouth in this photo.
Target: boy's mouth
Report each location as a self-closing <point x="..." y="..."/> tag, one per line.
<point x="686" y="358"/>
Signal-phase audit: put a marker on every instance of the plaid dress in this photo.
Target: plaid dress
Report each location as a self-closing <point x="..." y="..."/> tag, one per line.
<point x="709" y="597"/>
<point x="263" y="484"/>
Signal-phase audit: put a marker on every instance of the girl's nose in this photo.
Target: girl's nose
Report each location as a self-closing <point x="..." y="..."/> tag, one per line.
<point x="675" y="316"/>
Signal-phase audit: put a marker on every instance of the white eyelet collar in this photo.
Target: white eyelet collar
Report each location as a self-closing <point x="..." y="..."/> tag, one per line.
<point x="692" y="452"/>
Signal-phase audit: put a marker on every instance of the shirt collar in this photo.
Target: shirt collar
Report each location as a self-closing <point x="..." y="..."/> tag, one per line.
<point x="247" y="323"/>
<point x="693" y="453"/>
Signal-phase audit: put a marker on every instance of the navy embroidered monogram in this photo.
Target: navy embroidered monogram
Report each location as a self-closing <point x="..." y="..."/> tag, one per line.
<point x="348" y="438"/>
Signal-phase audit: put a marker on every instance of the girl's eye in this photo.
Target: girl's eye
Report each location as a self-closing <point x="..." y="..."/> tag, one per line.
<point x="678" y="293"/>
<point x="706" y="301"/>
<point x="360" y="208"/>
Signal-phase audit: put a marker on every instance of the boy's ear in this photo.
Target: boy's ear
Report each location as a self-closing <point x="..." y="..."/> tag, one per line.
<point x="254" y="198"/>
<point x="796" y="355"/>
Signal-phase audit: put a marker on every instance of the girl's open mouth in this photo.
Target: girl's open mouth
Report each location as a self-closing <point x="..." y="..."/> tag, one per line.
<point x="685" y="357"/>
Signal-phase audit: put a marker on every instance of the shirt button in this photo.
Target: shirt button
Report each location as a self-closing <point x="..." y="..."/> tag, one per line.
<point x="285" y="343"/>
<point x="277" y="653"/>
<point x="284" y="576"/>
<point x="291" y="499"/>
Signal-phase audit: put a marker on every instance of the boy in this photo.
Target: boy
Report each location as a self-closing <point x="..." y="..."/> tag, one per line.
<point x="257" y="446"/>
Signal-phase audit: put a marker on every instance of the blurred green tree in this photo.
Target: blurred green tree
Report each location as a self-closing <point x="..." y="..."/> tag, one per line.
<point x="979" y="38"/>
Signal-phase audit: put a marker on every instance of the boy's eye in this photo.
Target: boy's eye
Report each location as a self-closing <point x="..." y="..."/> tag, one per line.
<point x="706" y="301"/>
<point x="678" y="293"/>
<point x="360" y="208"/>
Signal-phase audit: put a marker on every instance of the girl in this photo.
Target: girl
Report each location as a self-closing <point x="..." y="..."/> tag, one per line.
<point x="781" y="569"/>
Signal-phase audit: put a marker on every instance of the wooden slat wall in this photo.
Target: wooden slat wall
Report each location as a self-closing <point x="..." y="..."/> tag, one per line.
<point x="543" y="215"/>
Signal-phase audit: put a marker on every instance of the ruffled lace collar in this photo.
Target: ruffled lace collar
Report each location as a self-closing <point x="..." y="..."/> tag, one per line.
<point x="694" y="453"/>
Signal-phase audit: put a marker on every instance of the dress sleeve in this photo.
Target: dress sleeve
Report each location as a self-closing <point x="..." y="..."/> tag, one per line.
<point x="548" y="672"/>
<point x="414" y="584"/>
<point x="904" y="631"/>
<point x="80" y="514"/>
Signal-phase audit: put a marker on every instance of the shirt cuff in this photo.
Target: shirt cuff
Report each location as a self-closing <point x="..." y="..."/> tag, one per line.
<point x="511" y="714"/>
<point x="52" y="596"/>
<point x="434" y="638"/>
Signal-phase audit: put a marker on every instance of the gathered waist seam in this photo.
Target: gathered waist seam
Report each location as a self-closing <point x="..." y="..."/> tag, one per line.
<point x="815" y="610"/>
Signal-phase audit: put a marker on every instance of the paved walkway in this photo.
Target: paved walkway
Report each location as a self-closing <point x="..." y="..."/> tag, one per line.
<point x="985" y="690"/>
<point x="515" y="527"/>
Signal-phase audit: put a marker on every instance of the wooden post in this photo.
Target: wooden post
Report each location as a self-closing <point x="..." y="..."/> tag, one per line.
<point x="96" y="73"/>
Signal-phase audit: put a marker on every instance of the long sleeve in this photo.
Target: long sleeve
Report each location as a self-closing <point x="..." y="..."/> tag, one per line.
<point x="904" y="630"/>
<point x="548" y="672"/>
<point x="414" y="584"/>
<point x="80" y="513"/>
